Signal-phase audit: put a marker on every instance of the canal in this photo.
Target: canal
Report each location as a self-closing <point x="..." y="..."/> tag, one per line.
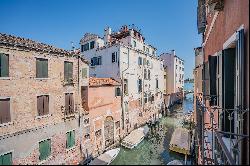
<point x="154" y="150"/>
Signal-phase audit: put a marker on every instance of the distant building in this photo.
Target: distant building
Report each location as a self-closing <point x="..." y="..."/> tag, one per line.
<point x="40" y="103"/>
<point x="124" y="56"/>
<point x="175" y="75"/>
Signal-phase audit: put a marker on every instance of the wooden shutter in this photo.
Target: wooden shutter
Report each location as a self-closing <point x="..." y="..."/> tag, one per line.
<point x="239" y="67"/>
<point x="84" y="72"/>
<point x="66" y="103"/>
<point x="6" y="159"/>
<point x="228" y="81"/>
<point x="70" y="70"/>
<point x="40" y="105"/>
<point x="4" y="110"/>
<point x="66" y="76"/>
<point x="205" y="77"/>
<point x="68" y="140"/>
<point x="212" y="78"/>
<point x="71" y="98"/>
<point x="72" y="138"/>
<point x="4" y="65"/>
<point x="45" y="68"/>
<point x="44" y="149"/>
<point x="46" y="104"/>
<point x="219" y="82"/>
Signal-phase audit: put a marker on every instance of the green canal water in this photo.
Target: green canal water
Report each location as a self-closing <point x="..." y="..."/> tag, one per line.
<point x="154" y="150"/>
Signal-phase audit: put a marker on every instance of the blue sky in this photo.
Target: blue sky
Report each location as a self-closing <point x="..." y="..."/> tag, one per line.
<point x="166" y="24"/>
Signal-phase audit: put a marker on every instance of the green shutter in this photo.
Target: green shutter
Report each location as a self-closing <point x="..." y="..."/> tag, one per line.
<point x="44" y="149"/>
<point x="68" y="140"/>
<point x="6" y="159"/>
<point x="45" y="68"/>
<point x="4" y="65"/>
<point x="72" y="138"/>
<point x="66" y="71"/>
<point x="84" y="73"/>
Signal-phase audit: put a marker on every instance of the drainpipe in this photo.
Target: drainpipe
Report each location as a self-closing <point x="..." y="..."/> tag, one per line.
<point x="78" y="93"/>
<point x="122" y="98"/>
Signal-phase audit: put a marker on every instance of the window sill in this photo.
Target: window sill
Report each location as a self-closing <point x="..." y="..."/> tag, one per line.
<point x="42" y="78"/>
<point x="45" y="160"/>
<point x="70" y="149"/>
<point x="43" y="116"/>
<point x="6" y="124"/>
<point x="5" y="78"/>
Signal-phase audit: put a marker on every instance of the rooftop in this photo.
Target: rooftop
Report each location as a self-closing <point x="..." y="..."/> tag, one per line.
<point x="94" y="81"/>
<point x="13" y="41"/>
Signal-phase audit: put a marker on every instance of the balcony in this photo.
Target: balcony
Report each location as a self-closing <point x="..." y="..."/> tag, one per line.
<point x="222" y="137"/>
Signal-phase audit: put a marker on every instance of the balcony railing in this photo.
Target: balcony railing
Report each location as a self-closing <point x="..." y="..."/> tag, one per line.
<point x="226" y="128"/>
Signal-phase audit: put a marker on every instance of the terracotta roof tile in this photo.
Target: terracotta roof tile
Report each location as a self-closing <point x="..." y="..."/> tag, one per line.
<point x="93" y="81"/>
<point x="9" y="40"/>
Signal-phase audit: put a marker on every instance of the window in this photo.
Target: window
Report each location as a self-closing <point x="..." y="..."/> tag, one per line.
<point x="4" y="65"/>
<point x="68" y="71"/>
<point x="147" y="50"/>
<point x="126" y="86"/>
<point x="114" y="57"/>
<point x="43" y="105"/>
<point x="149" y="74"/>
<point x="84" y="73"/>
<point x="134" y="43"/>
<point x="157" y="83"/>
<point x="41" y="68"/>
<point x="176" y="67"/>
<point x="4" y="110"/>
<point x="152" y="98"/>
<point x="85" y="47"/>
<point x="70" y="139"/>
<point x="96" y="61"/>
<point x="44" y="149"/>
<point x="143" y="48"/>
<point x="139" y="60"/>
<point x="180" y="68"/>
<point x="148" y="63"/>
<point x="153" y="52"/>
<point x="144" y="61"/>
<point x="92" y="44"/>
<point x="98" y="133"/>
<point x="139" y="86"/>
<point x="6" y="159"/>
<point x="117" y="91"/>
<point x="69" y="103"/>
<point x="145" y="74"/>
<point x="145" y="98"/>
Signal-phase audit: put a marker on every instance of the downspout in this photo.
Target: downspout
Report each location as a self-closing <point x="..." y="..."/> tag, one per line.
<point x="122" y="98"/>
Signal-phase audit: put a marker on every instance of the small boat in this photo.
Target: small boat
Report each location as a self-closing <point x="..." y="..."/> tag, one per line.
<point x="106" y="158"/>
<point x="175" y="162"/>
<point x="135" y="137"/>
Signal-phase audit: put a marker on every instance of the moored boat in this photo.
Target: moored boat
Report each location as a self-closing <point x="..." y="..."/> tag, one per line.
<point x="135" y="137"/>
<point x="106" y="158"/>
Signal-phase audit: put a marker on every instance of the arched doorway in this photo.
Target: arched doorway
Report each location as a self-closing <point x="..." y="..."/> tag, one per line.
<point x="109" y="131"/>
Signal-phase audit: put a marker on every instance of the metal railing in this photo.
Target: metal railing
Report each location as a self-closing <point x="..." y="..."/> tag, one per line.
<point x="226" y="129"/>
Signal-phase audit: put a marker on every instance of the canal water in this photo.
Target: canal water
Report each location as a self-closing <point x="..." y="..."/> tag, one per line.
<point x="154" y="150"/>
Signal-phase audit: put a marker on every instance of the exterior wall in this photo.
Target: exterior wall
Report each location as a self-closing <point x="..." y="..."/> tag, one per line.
<point x="221" y="25"/>
<point x="23" y="87"/>
<point x="175" y="79"/>
<point x="102" y="103"/>
<point x="127" y="68"/>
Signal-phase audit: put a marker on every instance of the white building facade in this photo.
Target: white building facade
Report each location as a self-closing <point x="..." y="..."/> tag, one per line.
<point x="124" y="56"/>
<point x="175" y="73"/>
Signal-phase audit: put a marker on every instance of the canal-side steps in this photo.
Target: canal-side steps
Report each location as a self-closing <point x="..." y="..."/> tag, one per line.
<point x="180" y="141"/>
<point x="135" y="137"/>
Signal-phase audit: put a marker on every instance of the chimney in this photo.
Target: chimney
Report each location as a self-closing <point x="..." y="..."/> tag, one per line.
<point x="107" y="33"/>
<point x="173" y="52"/>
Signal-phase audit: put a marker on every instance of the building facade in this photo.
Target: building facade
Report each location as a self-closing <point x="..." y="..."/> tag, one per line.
<point x="102" y="100"/>
<point x="175" y="76"/>
<point x="124" y="56"/>
<point x="222" y="108"/>
<point x="40" y="103"/>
